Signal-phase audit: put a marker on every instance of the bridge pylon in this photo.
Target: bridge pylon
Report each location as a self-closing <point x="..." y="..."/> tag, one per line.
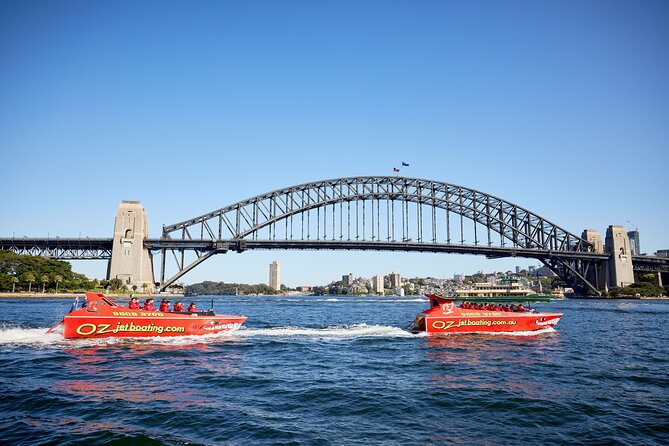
<point x="130" y="260"/>
<point x="620" y="270"/>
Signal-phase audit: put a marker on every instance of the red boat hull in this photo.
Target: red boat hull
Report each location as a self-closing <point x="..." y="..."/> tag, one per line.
<point x="445" y="317"/>
<point x="103" y="318"/>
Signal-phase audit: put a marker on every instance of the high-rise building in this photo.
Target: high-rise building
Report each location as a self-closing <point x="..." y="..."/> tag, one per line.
<point x="347" y="279"/>
<point x="635" y="244"/>
<point x="377" y="284"/>
<point x="275" y="275"/>
<point x="395" y="280"/>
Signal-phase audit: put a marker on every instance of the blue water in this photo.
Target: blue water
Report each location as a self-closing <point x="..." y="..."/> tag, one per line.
<point x="315" y="371"/>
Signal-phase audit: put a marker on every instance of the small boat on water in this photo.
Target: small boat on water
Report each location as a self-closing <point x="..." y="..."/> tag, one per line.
<point x="444" y="316"/>
<point x="101" y="317"/>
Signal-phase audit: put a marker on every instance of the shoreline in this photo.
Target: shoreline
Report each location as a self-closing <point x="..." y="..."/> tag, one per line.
<point x="33" y="295"/>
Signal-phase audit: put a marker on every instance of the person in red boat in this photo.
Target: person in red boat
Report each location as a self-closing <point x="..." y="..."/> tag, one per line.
<point x="165" y="306"/>
<point x="148" y="305"/>
<point x="178" y="306"/>
<point x="134" y="304"/>
<point x="192" y="308"/>
<point x="521" y="308"/>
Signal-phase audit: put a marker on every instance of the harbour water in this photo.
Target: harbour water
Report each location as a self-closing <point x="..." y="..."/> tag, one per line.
<point x="339" y="371"/>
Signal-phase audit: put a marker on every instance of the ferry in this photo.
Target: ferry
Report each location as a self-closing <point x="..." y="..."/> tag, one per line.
<point x="557" y="294"/>
<point x="101" y="317"/>
<point x="509" y="288"/>
<point x="444" y="317"/>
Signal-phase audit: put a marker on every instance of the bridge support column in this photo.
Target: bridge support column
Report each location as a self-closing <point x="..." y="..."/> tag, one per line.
<point x="620" y="272"/>
<point x="598" y="273"/>
<point x="130" y="262"/>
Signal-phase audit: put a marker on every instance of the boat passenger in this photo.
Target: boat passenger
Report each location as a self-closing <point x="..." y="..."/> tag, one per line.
<point x="134" y="304"/>
<point x="165" y="306"/>
<point x="178" y="306"/>
<point x="192" y="308"/>
<point x="148" y="305"/>
<point x="521" y="308"/>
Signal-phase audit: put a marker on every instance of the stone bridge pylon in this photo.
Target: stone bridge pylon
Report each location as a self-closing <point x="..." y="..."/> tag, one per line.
<point x="130" y="260"/>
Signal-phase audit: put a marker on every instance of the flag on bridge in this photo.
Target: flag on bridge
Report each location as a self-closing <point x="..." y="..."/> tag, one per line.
<point x="395" y="169"/>
<point x="404" y="164"/>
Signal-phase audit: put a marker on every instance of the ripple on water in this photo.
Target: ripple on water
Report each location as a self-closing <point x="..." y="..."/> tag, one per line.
<point x="341" y="372"/>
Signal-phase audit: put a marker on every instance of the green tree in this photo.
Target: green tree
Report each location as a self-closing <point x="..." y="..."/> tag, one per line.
<point x="647" y="278"/>
<point x="30" y="278"/>
<point x="115" y="284"/>
<point x="57" y="278"/>
<point x="476" y="278"/>
<point x="145" y="286"/>
<point x="319" y="290"/>
<point x="15" y="280"/>
<point x="45" y="280"/>
<point x="134" y="288"/>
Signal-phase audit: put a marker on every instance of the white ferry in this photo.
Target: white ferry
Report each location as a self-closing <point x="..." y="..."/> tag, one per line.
<point x="509" y="288"/>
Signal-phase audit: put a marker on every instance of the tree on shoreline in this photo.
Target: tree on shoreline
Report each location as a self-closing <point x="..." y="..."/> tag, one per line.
<point x="30" y="278"/>
<point x="16" y="268"/>
<point x="45" y="279"/>
<point x="57" y="278"/>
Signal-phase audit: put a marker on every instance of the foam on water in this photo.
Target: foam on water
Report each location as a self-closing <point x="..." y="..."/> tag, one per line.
<point x="344" y="332"/>
<point x="34" y="336"/>
<point x="39" y="336"/>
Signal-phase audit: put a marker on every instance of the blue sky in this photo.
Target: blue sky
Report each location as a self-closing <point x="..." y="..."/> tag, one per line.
<point x="561" y="107"/>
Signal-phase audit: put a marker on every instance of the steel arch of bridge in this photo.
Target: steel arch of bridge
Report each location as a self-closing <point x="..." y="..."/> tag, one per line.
<point x="381" y="213"/>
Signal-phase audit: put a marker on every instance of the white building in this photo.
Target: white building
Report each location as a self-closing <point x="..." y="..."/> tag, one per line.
<point x="275" y="275"/>
<point x="377" y="284"/>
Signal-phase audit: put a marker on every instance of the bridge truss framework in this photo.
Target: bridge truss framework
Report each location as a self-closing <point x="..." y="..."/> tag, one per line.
<point x="380" y="213"/>
<point x="361" y="213"/>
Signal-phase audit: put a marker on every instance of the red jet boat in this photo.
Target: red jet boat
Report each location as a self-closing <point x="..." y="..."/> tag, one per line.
<point x="103" y="318"/>
<point x="444" y="316"/>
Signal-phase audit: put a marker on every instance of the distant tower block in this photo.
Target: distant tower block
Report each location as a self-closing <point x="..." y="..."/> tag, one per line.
<point x="275" y="275"/>
<point x="130" y="262"/>
<point x="620" y="263"/>
<point x="592" y="236"/>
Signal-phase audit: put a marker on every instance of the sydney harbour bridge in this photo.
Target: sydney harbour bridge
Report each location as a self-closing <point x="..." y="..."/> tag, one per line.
<point x="379" y="213"/>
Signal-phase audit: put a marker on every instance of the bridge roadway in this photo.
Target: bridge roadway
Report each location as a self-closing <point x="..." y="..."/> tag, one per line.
<point x="100" y="249"/>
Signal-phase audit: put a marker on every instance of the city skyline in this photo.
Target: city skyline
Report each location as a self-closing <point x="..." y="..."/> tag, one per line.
<point x="190" y="110"/>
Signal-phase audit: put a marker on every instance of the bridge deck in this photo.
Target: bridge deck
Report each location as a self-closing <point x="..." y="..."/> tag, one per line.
<point x="100" y="248"/>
